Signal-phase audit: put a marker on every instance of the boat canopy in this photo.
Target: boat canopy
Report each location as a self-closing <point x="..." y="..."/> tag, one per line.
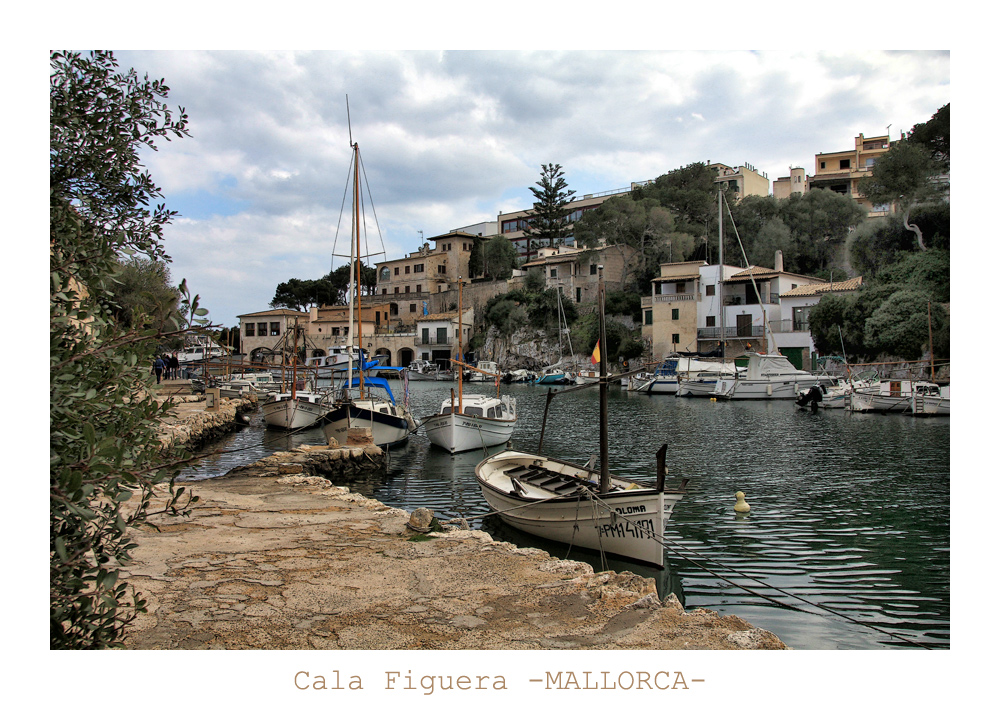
<point x="375" y="382"/>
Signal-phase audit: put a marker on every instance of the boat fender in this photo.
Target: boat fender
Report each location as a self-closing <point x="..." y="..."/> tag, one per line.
<point x="742" y="506"/>
<point x="769" y="390"/>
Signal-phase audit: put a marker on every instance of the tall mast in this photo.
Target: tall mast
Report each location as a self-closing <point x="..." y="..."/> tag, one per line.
<point x="461" y="358"/>
<point x="603" y="383"/>
<point x="357" y="259"/>
<point x="722" y="307"/>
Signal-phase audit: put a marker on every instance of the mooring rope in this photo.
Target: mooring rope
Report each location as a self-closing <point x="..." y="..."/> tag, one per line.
<point x="666" y="544"/>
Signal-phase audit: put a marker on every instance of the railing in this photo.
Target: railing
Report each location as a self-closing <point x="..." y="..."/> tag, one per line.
<point x="674" y="298"/>
<point x="714" y="333"/>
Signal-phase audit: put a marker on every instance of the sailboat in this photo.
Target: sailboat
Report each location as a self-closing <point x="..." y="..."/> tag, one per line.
<point x="366" y="402"/>
<point x="557" y="373"/>
<point x="473" y="421"/>
<point x="579" y="505"/>
<point x="294" y="409"/>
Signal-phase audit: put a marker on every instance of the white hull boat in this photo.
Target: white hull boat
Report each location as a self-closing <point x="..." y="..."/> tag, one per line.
<point x="767" y="377"/>
<point x="561" y="501"/>
<point x="581" y="506"/>
<point x="426" y="370"/>
<point x="295" y="411"/>
<point x="479" y="422"/>
<point x="904" y="396"/>
<point x="587" y="377"/>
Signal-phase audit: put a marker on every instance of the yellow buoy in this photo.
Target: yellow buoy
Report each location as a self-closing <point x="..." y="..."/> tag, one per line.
<point x="741" y="505"/>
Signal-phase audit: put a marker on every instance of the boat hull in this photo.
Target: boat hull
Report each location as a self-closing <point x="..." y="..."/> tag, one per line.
<point x="387" y="429"/>
<point x="293" y="413"/>
<point x="741" y="389"/>
<point x="626" y="522"/>
<point x="458" y="432"/>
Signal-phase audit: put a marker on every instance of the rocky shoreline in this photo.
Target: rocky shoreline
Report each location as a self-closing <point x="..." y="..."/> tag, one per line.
<point x="274" y="556"/>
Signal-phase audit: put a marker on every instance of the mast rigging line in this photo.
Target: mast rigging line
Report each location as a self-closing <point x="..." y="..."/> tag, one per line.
<point x="362" y="214"/>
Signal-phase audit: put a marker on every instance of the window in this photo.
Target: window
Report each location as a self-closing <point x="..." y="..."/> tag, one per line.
<point x="579" y="294"/>
<point x="418" y="268"/>
<point x="276" y="328"/>
<point x="418" y="288"/>
<point x="262" y="329"/>
<point x="395" y="291"/>
<point x="442" y="269"/>
<point x="593" y="269"/>
<point x="425" y="336"/>
<point x="385" y="290"/>
<point x="822" y="165"/>
<point x="710" y="321"/>
<point x="407" y="290"/>
<point x="384" y="273"/>
<point x="336" y="332"/>
<point x="553" y="273"/>
<point x="395" y="271"/>
<point x="675" y="339"/>
<point x="675" y="313"/>
<point x="413" y="307"/>
<point x="442" y="336"/>
<point x="648" y="318"/>
<point x="845" y="164"/>
<point x="710" y="290"/>
<point x="681" y="288"/>
<point x="250" y="329"/>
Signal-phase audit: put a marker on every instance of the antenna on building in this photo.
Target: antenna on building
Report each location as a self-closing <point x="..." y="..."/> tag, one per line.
<point x="421" y="236"/>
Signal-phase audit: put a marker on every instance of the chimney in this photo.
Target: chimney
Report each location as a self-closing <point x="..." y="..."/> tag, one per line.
<point x="779" y="262"/>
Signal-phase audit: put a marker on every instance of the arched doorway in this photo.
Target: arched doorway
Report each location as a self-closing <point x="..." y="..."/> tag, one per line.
<point x="405" y="356"/>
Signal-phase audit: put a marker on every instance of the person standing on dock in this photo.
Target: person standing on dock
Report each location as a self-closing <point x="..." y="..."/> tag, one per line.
<point x="158" y="365"/>
<point x="174" y="367"/>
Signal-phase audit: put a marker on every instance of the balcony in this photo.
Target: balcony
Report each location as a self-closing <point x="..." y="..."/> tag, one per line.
<point x="682" y="297"/>
<point x="732" y="333"/>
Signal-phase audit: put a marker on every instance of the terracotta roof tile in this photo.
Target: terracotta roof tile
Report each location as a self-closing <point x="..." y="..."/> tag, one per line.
<point x="822" y="288"/>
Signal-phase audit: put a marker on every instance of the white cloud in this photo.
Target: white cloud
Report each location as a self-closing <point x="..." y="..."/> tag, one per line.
<point x="451" y="138"/>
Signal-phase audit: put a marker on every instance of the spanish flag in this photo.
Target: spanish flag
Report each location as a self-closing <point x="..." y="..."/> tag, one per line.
<point x="596" y="355"/>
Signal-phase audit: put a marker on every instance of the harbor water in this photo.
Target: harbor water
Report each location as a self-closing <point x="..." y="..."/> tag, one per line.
<point x="846" y="545"/>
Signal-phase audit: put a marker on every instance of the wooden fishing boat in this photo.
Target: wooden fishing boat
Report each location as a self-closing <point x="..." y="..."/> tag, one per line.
<point x="577" y="505"/>
<point x="471" y="422"/>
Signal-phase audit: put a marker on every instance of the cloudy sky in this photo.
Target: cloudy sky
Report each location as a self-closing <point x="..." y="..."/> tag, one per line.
<point x="452" y="138"/>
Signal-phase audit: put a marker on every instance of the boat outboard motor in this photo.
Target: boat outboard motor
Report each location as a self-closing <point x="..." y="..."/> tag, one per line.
<point x="812" y="397"/>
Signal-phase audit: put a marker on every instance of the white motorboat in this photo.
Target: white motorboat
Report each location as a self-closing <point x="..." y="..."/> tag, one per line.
<point x="587" y="377"/>
<point x="472" y="422"/>
<point x="334" y="363"/>
<point x="767" y="377"/>
<point x="835" y="393"/>
<point x="427" y="370"/>
<point x="484" y="371"/>
<point x="581" y="506"/>
<point x="931" y="399"/>
<point x="903" y="396"/>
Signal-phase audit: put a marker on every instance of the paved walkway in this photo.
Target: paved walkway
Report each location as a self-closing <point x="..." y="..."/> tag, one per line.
<point x="289" y="562"/>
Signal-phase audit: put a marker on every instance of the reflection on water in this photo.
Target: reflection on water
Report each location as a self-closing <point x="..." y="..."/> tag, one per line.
<point x="848" y="511"/>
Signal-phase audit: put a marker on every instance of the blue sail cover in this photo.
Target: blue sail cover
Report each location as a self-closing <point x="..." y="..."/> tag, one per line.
<point x="372" y="382"/>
